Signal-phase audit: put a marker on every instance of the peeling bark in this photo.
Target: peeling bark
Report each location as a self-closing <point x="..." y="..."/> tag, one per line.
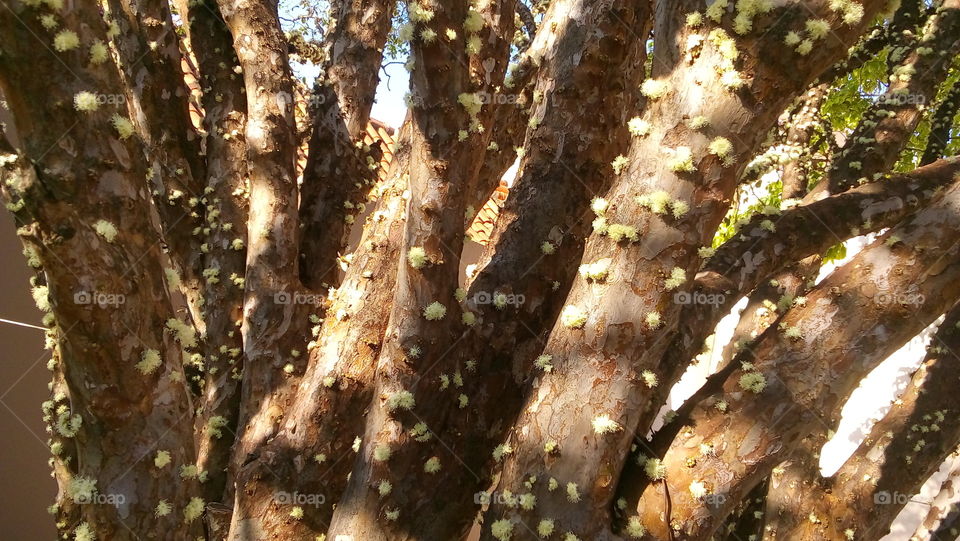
<point x="602" y="350"/>
<point x="79" y="197"/>
<point x="158" y="99"/>
<point x="808" y="372"/>
<point x="876" y="143"/>
<point x="312" y="454"/>
<point x="338" y="174"/>
<point x="225" y="240"/>
<point x="444" y="163"/>
<point x="273" y="323"/>
<point x="901" y="452"/>
<point x="534" y="377"/>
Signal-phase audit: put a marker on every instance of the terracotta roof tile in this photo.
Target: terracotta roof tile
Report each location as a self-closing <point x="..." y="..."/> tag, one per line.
<point x="481" y="229"/>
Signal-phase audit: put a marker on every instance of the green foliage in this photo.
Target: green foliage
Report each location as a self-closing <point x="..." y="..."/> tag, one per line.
<point x="851" y="96"/>
<point x="918" y="141"/>
<point x="397" y="50"/>
<point x="835" y="253"/>
<point x="759" y="197"/>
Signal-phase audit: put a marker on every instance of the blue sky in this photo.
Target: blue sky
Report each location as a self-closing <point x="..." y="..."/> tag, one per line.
<point x="389" y="106"/>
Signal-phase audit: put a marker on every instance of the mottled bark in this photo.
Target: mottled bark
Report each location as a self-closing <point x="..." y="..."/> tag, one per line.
<point x="77" y="192"/>
<point x="588" y="407"/>
<point x="467" y="415"/>
<point x="312" y="454"/>
<point x="273" y="324"/>
<point x="149" y="52"/>
<point x="224" y="238"/>
<point x="538" y="375"/>
<point x="923" y="64"/>
<point x="941" y="124"/>
<point x="445" y="159"/>
<point x="941" y="524"/>
<point x="802" y="371"/>
<point x="812" y="228"/>
<point x="339" y="174"/>
<point x="902" y="450"/>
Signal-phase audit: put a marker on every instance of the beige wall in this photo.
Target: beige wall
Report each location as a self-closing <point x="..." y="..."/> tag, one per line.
<point x="26" y="488"/>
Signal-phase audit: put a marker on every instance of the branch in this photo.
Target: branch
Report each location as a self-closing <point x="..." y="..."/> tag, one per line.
<point x="448" y="128"/>
<point x="529" y="24"/>
<point x="876" y="144"/>
<point x="150" y="61"/>
<point x="76" y="192"/>
<point x="941" y="519"/>
<point x="338" y="382"/>
<point x="941" y="125"/>
<point x="467" y="419"/>
<point x="740" y="265"/>
<point x="355" y="50"/>
<point x="901" y="452"/>
<point x="272" y="329"/>
<point x="338" y="175"/>
<point x="614" y="327"/>
<point x="908" y="18"/>
<point x="337" y="181"/>
<point x="789" y="479"/>
<point x="355" y="346"/>
<point x="767" y="300"/>
<point x="509" y="127"/>
<point x="225" y="240"/>
<point x="757" y="252"/>
<point x="748" y="520"/>
<point x="799" y="375"/>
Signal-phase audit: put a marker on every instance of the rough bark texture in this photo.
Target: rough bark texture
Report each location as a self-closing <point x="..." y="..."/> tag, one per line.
<point x="223" y="364"/>
<point x="149" y="53"/>
<point x="224" y="248"/>
<point x="812" y="228"/>
<point x="901" y="452"/>
<point x="80" y="199"/>
<point x="338" y="175"/>
<point x="312" y="454"/>
<point x="891" y="291"/>
<point x="273" y="324"/>
<point x="601" y="351"/>
<point x="877" y="141"/>
<point x="941" y="125"/>
<point x="443" y="165"/>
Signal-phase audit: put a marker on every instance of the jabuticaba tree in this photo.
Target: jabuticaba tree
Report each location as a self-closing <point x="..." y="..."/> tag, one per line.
<point x="227" y="365"/>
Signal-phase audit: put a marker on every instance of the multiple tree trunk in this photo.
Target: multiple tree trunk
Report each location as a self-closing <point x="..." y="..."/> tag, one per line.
<point x="229" y="381"/>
